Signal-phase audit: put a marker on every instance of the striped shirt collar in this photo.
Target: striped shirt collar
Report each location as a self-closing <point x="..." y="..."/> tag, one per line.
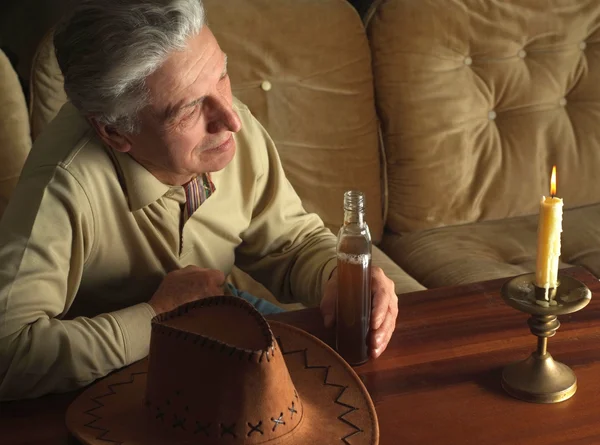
<point x="197" y="191"/>
<point x="142" y="188"/>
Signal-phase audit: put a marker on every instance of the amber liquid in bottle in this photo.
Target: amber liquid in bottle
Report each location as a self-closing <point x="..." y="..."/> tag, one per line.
<point x="354" y="282"/>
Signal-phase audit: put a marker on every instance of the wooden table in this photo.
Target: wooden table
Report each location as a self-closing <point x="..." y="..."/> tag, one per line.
<point x="439" y="380"/>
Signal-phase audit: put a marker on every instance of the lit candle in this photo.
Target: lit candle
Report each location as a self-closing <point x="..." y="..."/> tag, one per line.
<point x="549" y="230"/>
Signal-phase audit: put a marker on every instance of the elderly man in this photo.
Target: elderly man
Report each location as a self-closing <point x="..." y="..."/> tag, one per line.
<point x="140" y="196"/>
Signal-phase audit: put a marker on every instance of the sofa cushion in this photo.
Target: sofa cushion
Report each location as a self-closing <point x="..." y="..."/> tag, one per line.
<point x="493" y="249"/>
<point x="310" y="86"/>
<point x="478" y="99"/>
<point x="403" y="282"/>
<point x="15" y="141"/>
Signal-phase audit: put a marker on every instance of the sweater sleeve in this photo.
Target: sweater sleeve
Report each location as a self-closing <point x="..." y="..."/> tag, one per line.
<point x="44" y="245"/>
<point x="285" y="248"/>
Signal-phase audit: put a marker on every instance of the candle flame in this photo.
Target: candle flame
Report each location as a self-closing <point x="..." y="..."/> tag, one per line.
<point x="553" y="182"/>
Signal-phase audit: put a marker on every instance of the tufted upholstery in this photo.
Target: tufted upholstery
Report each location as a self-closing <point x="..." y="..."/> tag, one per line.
<point x="479" y="99"/>
<point x="15" y="141"/>
<point x="314" y="96"/>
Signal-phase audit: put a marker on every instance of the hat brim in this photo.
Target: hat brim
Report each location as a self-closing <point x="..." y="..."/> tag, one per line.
<point x="337" y="408"/>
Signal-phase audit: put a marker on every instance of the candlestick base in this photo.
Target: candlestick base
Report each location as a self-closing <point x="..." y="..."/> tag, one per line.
<point x="540" y="378"/>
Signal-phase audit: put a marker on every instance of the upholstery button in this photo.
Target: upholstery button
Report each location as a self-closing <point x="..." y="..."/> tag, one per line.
<point x="492" y="115"/>
<point x="468" y="61"/>
<point x="582" y="46"/>
<point x="266" y="85"/>
<point x="562" y="101"/>
<point x="522" y="54"/>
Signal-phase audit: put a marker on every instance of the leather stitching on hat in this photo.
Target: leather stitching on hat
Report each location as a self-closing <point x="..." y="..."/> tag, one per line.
<point x="292" y="410"/>
<point x="326" y="383"/>
<point x="255" y="428"/>
<point x="178" y="422"/>
<point x="202" y="428"/>
<point x="278" y="421"/>
<point x="211" y="342"/>
<point x="227" y="429"/>
<point x="99" y="404"/>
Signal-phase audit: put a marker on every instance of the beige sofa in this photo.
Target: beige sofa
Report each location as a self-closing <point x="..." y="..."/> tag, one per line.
<point x="449" y="115"/>
<point x="477" y="101"/>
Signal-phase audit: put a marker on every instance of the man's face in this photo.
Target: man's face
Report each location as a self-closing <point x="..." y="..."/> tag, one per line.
<point x="187" y="129"/>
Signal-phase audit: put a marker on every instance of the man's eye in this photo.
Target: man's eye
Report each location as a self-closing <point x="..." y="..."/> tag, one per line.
<point x="187" y="116"/>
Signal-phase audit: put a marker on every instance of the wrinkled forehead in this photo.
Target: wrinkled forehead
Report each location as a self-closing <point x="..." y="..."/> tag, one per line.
<point x="188" y="71"/>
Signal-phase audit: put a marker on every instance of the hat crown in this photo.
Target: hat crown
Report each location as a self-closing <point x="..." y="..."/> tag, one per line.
<point x="216" y="374"/>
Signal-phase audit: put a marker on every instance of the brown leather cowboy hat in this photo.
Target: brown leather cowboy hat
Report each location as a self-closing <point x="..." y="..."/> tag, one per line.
<point x="218" y="373"/>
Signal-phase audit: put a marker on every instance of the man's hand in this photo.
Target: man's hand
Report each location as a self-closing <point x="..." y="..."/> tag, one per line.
<point x="184" y="285"/>
<point x="384" y="304"/>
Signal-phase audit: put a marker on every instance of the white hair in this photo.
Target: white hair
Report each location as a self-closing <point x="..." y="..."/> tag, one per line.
<point x="107" y="48"/>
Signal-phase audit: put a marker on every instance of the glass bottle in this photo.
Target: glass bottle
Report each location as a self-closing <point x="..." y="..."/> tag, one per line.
<point x="354" y="281"/>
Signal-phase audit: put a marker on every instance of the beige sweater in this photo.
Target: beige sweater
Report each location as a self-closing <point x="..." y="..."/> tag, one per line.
<point x="89" y="234"/>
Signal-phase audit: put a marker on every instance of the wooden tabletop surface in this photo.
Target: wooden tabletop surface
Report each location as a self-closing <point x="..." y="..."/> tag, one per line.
<point x="439" y="380"/>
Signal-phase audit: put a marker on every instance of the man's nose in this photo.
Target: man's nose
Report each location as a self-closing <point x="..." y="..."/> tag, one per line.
<point x="223" y="117"/>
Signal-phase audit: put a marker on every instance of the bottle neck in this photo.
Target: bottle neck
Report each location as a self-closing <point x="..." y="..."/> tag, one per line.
<point x="354" y="217"/>
<point x="354" y="208"/>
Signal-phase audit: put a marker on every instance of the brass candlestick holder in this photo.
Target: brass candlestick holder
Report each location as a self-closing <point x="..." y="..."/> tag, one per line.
<point x="540" y="378"/>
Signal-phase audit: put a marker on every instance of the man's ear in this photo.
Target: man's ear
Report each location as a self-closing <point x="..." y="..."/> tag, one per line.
<point x="111" y="136"/>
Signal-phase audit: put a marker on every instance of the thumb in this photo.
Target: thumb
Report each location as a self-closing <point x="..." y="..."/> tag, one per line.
<point x="328" y="303"/>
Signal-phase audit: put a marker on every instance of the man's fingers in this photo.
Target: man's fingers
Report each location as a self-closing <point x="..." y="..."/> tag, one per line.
<point x="383" y="296"/>
<point x="380" y="307"/>
<point x="219" y="277"/>
<point x="381" y="337"/>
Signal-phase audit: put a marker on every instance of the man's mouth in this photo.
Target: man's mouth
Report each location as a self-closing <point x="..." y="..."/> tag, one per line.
<point x="223" y="145"/>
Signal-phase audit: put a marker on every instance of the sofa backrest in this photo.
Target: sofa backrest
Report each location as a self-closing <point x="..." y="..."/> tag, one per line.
<point x="15" y="141"/>
<point x="304" y="70"/>
<point x="478" y="99"/>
